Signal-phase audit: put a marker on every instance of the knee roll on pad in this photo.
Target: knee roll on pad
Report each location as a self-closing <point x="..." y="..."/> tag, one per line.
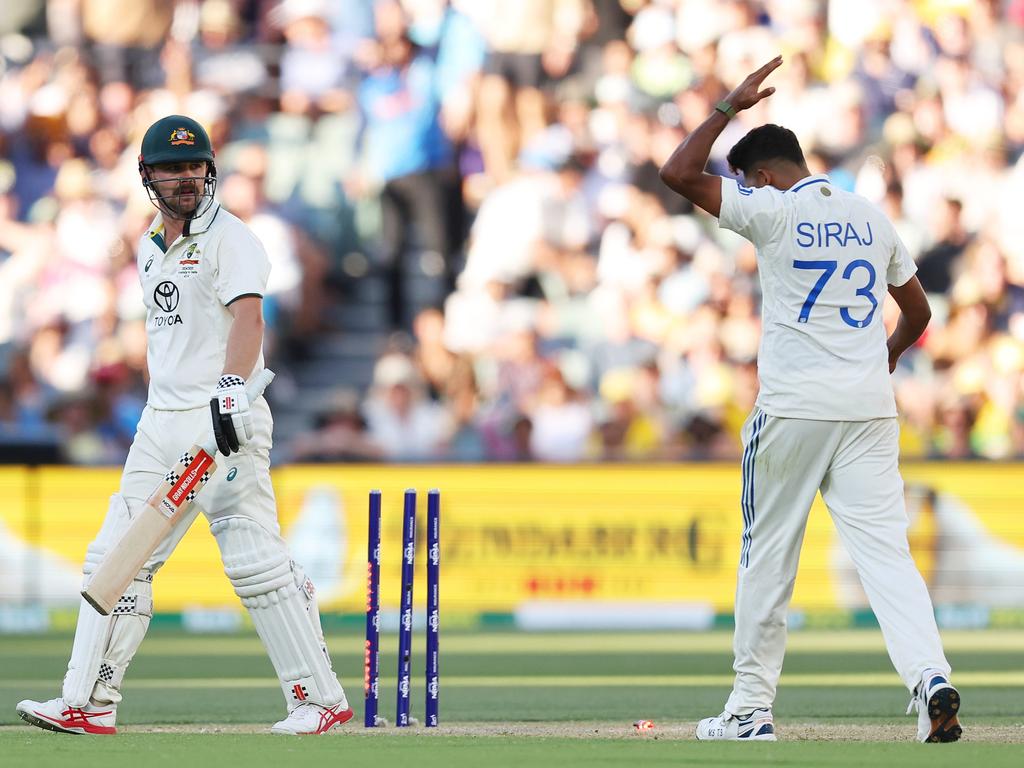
<point x="282" y="604"/>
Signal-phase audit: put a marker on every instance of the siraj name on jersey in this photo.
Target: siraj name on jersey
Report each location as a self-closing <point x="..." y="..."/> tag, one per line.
<point x="825" y="234"/>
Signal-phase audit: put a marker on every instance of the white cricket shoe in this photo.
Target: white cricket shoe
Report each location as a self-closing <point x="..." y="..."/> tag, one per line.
<point x="756" y="726"/>
<point x="938" y="706"/>
<point x="310" y="719"/>
<point x="56" y="715"/>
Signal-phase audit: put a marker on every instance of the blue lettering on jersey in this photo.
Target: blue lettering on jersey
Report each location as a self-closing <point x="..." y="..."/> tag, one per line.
<point x="833" y="233"/>
<point x="805" y="230"/>
<point x="744" y="190"/>
<point x="832" y="230"/>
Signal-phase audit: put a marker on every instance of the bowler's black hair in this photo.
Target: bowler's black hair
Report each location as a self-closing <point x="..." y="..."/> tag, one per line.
<point x="764" y="143"/>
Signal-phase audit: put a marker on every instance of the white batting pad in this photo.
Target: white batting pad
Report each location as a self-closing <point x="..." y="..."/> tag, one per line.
<point x="104" y="645"/>
<point x="91" y="636"/>
<point x="282" y="604"/>
<point x="130" y="620"/>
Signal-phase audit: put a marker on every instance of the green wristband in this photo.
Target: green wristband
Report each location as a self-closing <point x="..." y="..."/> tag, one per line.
<point x="726" y="109"/>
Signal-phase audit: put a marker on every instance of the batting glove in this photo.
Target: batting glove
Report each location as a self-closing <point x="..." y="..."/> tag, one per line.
<point x="232" y="419"/>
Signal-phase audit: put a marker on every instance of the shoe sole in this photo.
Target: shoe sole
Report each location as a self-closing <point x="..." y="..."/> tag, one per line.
<point x="943" y="708"/>
<point x="767" y="737"/>
<point x="48" y="725"/>
<point x="763" y="737"/>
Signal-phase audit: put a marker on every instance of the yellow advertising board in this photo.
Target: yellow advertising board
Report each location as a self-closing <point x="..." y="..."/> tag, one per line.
<point x="526" y="534"/>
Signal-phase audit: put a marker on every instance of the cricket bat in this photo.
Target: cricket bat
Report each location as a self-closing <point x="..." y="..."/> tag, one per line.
<point x="164" y="508"/>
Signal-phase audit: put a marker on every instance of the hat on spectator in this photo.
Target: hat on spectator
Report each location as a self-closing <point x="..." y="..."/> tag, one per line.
<point x="652" y="28"/>
<point x="394" y="370"/>
<point x="290" y="11"/>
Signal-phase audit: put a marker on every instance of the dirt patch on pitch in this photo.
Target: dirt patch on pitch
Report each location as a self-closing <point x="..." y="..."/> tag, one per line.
<point x="1006" y="734"/>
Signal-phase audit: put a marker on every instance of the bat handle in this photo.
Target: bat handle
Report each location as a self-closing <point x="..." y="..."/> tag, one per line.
<point x="254" y="388"/>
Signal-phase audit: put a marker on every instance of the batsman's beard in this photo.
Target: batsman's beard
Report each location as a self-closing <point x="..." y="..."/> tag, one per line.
<point x="183" y="202"/>
<point x="182" y="198"/>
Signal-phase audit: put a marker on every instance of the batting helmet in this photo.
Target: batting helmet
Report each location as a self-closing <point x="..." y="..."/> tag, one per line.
<point x="177" y="139"/>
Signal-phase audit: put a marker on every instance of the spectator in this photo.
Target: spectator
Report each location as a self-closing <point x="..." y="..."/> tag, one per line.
<point x="221" y="59"/>
<point x="936" y="265"/>
<point x="401" y="421"/>
<point x="408" y="154"/>
<point x="312" y="71"/>
<point x="126" y="39"/>
<point x="528" y="41"/>
<point x="340" y="434"/>
<point x="561" y="421"/>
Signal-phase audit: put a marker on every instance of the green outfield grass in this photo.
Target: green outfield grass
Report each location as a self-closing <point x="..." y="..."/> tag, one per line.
<point x="500" y="692"/>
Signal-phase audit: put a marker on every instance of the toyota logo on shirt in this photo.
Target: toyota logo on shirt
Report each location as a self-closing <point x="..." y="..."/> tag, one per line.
<point x="165" y="295"/>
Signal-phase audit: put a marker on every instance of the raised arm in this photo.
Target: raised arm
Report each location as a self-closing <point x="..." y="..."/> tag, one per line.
<point x="684" y="172"/>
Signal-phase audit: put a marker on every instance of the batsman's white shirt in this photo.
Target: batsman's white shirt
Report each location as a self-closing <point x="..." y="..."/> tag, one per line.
<point x="187" y="290"/>
<point x="825" y="257"/>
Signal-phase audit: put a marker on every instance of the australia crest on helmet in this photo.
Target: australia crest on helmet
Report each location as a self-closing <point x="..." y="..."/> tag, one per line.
<point x="182" y="136"/>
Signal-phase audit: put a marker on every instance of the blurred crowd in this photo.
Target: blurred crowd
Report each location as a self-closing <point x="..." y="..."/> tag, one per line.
<point x="511" y="149"/>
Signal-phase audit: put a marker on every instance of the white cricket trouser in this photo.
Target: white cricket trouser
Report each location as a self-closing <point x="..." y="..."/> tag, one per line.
<point x="855" y="466"/>
<point x="240" y="486"/>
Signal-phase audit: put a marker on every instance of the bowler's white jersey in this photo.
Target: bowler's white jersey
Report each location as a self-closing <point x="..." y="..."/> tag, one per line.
<point x="187" y="287"/>
<point x="825" y="257"/>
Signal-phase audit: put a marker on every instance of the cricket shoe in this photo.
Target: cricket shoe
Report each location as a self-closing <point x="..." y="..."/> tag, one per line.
<point x="756" y="726"/>
<point x="938" y="706"/>
<point x="310" y="719"/>
<point x="56" y="715"/>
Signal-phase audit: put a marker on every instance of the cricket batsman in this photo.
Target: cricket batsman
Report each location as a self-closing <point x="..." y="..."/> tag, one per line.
<point x="203" y="275"/>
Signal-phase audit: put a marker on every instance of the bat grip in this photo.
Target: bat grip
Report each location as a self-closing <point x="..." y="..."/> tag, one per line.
<point x="254" y="388"/>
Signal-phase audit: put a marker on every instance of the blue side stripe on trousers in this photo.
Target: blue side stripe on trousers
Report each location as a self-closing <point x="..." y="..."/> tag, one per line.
<point x="743" y="465"/>
<point x="747" y="497"/>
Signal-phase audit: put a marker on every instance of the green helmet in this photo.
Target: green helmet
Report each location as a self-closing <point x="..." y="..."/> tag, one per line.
<point x="175" y="139"/>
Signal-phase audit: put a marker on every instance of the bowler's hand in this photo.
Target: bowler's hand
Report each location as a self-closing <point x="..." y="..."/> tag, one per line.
<point x="746" y="94"/>
<point x="895" y="352"/>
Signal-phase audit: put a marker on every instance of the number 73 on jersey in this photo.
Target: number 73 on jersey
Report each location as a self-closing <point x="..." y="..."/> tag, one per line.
<point x="828" y="267"/>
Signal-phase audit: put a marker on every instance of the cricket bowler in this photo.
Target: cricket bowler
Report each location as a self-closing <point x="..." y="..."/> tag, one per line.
<point x="825" y="415"/>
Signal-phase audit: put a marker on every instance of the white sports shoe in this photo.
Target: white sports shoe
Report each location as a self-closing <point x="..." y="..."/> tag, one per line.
<point x="938" y="706"/>
<point x="756" y="726"/>
<point x="310" y="719"/>
<point x="56" y="715"/>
